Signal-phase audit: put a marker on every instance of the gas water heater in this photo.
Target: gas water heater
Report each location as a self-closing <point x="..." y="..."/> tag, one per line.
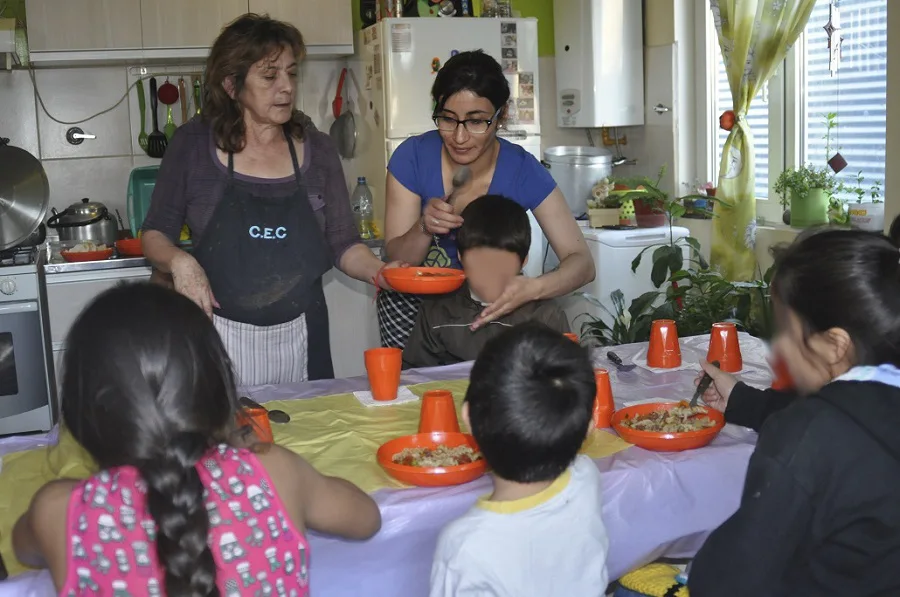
<point x="599" y="63"/>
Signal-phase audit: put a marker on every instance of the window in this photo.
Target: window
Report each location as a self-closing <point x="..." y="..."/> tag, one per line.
<point x="788" y="116"/>
<point x="857" y="93"/>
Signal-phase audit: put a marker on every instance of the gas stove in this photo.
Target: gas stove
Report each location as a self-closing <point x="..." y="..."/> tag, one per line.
<point x="19" y="260"/>
<point x="27" y="377"/>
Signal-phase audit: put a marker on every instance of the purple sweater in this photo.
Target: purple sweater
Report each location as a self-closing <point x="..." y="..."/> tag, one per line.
<point x="192" y="181"/>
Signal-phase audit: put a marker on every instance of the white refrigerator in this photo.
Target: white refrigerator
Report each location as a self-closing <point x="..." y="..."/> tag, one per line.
<point x="394" y="68"/>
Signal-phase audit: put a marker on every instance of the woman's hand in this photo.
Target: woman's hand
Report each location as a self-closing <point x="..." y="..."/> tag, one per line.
<point x="518" y="291"/>
<point x="381" y="281"/>
<point x="191" y="281"/>
<point x="438" y="217"/>
<point x="720" y="390"/>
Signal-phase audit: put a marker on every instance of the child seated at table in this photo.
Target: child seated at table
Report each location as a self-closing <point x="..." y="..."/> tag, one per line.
<point x="819" y="513"/>
<point x="493" y="244"/>
<point x="539" y="533"/>
<point x="176" y="508"/>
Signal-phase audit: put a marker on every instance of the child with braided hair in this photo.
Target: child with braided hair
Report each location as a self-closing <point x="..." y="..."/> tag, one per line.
<point x="177" y="509"/>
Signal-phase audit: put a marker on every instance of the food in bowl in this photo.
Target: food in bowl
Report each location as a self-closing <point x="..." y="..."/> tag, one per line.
<point x="87" y="246"/>
<point x="678" y="419"/>
<point x="435" y="275"/>
<point x="439" y="456"/>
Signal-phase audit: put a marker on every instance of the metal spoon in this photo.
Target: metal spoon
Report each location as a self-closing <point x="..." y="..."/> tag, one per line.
<point x="617" y="361"/>
<point x="276" y="416"/>
<point x="460" y="179"/>
<point x="704" y="384"/>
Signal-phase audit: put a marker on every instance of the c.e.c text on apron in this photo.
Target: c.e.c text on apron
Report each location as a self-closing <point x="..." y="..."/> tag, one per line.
<point x="265" y="258"/>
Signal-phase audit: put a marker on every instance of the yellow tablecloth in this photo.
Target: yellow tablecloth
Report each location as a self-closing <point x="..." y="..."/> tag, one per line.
<point x="336" y="434"/>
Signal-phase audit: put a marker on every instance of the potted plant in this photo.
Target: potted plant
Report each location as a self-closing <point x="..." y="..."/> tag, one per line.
<point x="700" y="208"/>
<point x="649" y="200"/>
<point x="866" y="214"/>
<point x="807" y="192"/>
<point x="603" y="210"/>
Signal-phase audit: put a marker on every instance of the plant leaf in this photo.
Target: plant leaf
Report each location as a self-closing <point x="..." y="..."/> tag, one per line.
<point x="659" y="271"/>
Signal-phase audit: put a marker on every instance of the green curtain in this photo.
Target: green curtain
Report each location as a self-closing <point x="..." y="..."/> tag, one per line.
<point x="754" y="37"/>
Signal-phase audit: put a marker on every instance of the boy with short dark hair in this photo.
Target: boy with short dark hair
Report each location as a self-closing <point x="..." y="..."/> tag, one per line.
<point x="540" y="532"/>
<point x="493" y="245"/>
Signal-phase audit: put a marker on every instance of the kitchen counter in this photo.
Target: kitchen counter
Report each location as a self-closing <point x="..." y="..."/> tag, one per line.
<point x="59" y="266"/>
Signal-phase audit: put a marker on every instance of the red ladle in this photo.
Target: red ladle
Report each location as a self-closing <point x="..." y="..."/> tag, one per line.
<point x="338" y="103"/>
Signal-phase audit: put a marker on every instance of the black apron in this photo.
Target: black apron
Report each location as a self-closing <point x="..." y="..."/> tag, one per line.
<point x="265" y="258"/>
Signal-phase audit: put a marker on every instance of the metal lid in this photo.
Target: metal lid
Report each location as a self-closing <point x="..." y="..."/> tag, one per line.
<point x="24" y="195"/>
<point x="82" y="211"/>
<point x="576" y="154"/>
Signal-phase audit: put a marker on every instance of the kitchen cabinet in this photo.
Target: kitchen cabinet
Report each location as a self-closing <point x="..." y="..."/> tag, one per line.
<point x="181" y="24"/>
<point x="321" y="23"/>
<point x="69" y="293"/>
<point x="65" y="25"/>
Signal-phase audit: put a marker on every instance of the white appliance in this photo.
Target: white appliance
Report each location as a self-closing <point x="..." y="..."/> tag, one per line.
<point x="28" y="399"/>
<point x="395" y="67"/>
<point x="613" y="251"/>
<point x="599" y="63"/>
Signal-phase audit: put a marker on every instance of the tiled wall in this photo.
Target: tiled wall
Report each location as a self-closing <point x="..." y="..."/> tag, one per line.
<point x="99" y="168"/>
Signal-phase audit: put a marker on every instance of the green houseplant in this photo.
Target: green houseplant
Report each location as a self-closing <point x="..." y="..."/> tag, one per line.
<point x="807" y="192"/>
<point x="868" y="212"/>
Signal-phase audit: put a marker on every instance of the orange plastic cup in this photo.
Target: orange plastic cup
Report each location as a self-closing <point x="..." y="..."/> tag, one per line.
<point x="438" y="413"/>
<point x="258" y="420"/>
<point x="725" y="348"/>
<point x="383" y="367"/>
<point x="783" y="379"/>
<point x="664" y="351"/>
<point x="603" y="401"/>
<point x="572" y="337"/>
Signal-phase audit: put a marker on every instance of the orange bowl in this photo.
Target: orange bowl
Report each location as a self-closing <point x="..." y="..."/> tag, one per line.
<point x="87" y="256"/>
<point x="424" y="280"/>
<point x="130" y="247"/>
<point x="665" y="442"/>
<point x="437" y="476"/>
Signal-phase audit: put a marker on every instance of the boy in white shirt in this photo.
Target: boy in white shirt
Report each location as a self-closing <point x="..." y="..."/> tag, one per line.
<point x="540" y="533"/>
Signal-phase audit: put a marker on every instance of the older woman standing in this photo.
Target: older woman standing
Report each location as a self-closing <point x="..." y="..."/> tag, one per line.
<point x="470" y="94"/>
<point x="264" y="195"/>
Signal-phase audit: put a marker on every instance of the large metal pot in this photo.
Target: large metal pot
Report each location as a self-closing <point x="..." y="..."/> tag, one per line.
<point x="576" y="170"/>
<point x="24" y="195"/>
<point x="85" y="220"/>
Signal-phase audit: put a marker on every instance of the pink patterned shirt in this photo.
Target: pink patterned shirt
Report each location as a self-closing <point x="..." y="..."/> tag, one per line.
<point x="256" y="547"/>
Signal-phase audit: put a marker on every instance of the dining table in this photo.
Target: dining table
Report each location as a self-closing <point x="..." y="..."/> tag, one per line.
<point x="655" y="504"/>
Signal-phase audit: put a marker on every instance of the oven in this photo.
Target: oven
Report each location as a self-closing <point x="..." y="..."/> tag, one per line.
<point x="27" y="382"/>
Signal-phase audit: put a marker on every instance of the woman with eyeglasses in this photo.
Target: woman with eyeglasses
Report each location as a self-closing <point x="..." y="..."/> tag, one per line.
<point x="470" y="95"/>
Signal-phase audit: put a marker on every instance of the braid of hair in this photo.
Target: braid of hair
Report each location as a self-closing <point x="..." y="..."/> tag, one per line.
<point x="175" y="501"/>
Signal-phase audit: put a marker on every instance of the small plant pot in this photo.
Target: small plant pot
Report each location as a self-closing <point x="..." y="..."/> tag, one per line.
<point x="867" y="216"/>
<point x="649" y="214"/>
<point x="607" y="216"/>
<point x="810" y="209"/>
<point x="698" y="209"/>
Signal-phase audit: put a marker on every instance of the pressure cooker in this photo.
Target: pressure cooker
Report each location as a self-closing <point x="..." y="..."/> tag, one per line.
<point x="85" y="220"/>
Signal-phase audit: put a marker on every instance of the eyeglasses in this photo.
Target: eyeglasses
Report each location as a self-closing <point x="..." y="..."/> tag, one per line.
<point x="476" y="126"/>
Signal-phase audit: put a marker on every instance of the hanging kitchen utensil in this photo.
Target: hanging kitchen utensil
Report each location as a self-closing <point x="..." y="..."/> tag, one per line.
<point x="85" y="220"/>
<point x="343" y="130"/>
<point x="168" y="94"/>
<point x="24" y="195"/>
<point x="156" y="142"/>
<point x="182" y="95"/>
<point x="197" y="93"/>
<point x="142" y="110"/>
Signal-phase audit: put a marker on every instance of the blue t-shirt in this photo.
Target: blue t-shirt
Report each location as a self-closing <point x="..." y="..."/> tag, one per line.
<point x="416" y="164"/>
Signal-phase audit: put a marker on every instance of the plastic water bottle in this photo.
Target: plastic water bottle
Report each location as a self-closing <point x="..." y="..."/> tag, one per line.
<point x="361" y="203"/>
